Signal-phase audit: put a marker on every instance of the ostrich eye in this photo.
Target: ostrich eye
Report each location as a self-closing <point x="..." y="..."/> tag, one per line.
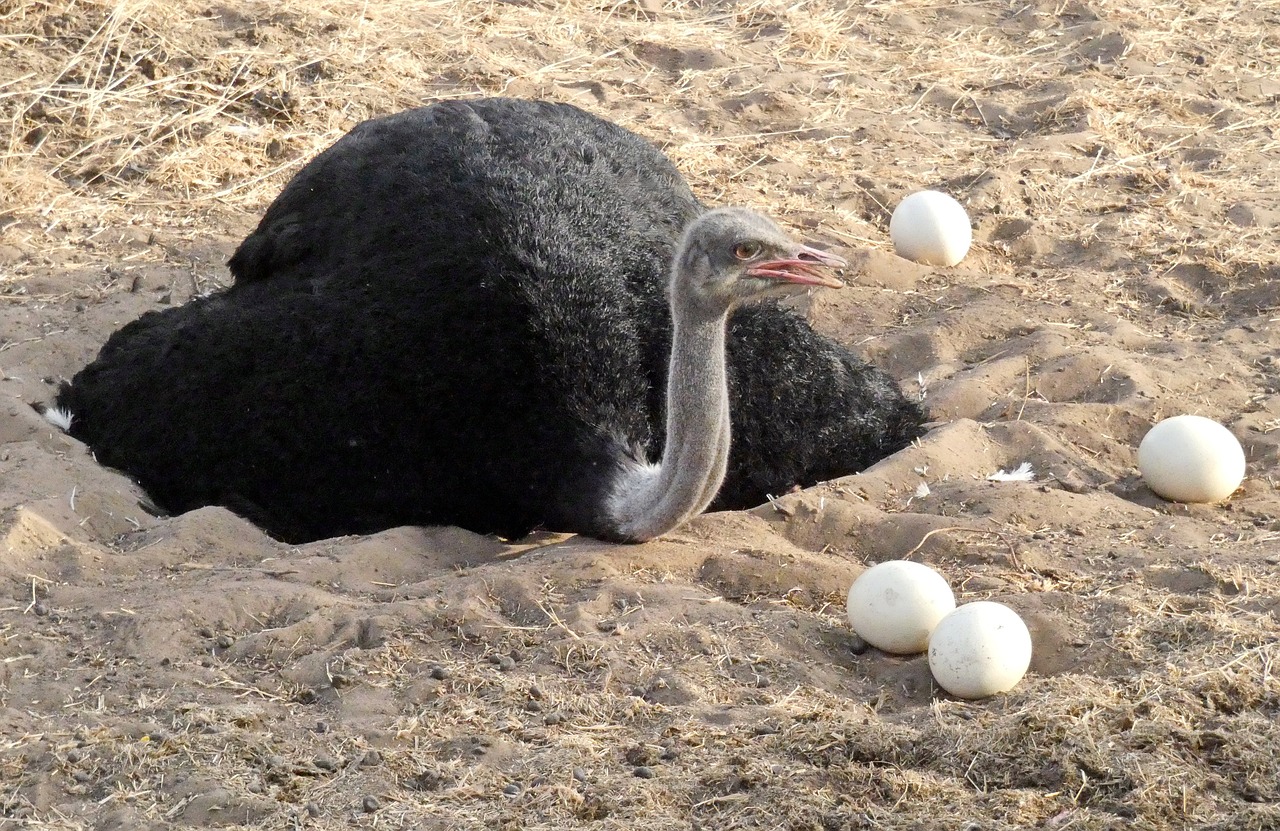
<point x="746" y="250"/>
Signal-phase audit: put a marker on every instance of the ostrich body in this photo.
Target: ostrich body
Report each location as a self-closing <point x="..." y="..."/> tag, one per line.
<point x="558" y="194"/>
<point x="317" y="413"/>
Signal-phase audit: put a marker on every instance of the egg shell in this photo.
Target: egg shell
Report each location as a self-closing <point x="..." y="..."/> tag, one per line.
<point x="1189" y="458"/>
<point x="932" y="228"/>
<point x="980" y="649"/>
<point x="894" y="605"/>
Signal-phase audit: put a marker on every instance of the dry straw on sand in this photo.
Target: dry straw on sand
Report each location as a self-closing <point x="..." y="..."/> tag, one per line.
<point x="1120" y="162"/>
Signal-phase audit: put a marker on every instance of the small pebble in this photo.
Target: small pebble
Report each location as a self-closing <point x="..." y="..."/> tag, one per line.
<point x="512" y="790"/>
<point x="506" y="663"/>
<point x="427" y="780"/>
<point x="439" y="673"/>
<point x="40" y="608"/>
<point x="326" y="763"/>
<point x="535" y="693"/>
<point x="225" y="641"/>
<point x="644" y="772"/>
<point x="370" y="804"/>
<point x="371" y="758"/>
<point x="552" y="719"/>
<point x="313" y="810"/>
<point x="322" y="727"/>
<point x="857" y="645"/>
<point x="580" y="774"/>
<point x="204" y="632"/>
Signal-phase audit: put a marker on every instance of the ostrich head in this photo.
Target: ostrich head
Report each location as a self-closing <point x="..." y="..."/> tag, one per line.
<point x="731" y="255"/>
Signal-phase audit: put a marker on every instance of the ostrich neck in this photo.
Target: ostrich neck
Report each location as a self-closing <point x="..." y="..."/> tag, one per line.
<point x="652" y="500"/>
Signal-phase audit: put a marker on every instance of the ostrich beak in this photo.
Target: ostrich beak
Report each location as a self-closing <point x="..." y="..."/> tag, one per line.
<point x="803" y="267"/>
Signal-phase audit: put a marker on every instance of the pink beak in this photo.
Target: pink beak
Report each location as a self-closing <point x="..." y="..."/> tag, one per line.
<point x="804" y="268"/>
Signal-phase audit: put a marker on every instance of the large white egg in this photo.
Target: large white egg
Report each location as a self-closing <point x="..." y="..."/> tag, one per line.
<point x="894" y="605"/>
<point x="1190" y="458"/>
<point x="930" y="227"/>
<point x="980" y="649"/>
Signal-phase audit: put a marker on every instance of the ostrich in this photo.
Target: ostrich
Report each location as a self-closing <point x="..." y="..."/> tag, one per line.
<point x="407" y="198"/>
<point x="498" y="399"/>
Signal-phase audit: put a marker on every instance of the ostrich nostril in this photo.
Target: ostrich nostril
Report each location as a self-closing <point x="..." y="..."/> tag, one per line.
<point x="821" y="258"/>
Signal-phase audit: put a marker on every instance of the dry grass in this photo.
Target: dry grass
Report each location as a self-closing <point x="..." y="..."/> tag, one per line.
<point x="165" y="114"/>
<point x="1183" y="739"/>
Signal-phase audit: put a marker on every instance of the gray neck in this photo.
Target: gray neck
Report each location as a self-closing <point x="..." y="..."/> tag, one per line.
<point x="650" y="500"/>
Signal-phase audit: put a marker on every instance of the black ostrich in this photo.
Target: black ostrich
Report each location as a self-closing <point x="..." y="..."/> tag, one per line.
<point x="548" y="192"/>
<point x="499" y="394"/>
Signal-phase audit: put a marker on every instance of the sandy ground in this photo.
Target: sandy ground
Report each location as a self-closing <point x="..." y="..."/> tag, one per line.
<point x="1120" y="162"/>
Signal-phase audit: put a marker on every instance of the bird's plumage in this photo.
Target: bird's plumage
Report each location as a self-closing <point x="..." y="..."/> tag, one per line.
<point x="458" y="314"/>
<point x="610" y="207"/>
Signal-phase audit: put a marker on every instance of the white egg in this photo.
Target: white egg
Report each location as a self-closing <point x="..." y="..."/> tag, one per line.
<point x="1191" y="458"/>
<point x="932" y="228"/>
<point x="980" y="649"/>
<point x="895" y="605"/>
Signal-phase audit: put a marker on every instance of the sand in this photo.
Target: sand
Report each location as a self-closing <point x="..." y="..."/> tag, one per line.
<point x="1119" y="162"/>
